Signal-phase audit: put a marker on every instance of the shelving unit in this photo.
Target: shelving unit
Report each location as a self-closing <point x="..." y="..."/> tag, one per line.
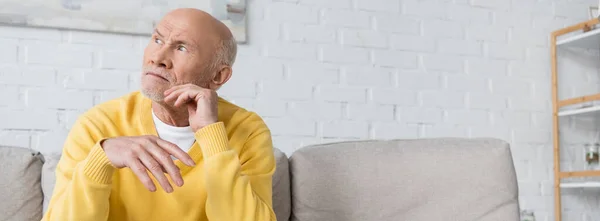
<point x="586" y="36"/>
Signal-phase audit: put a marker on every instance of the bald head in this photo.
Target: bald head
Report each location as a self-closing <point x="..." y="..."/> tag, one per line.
<point x="188" y="46"/>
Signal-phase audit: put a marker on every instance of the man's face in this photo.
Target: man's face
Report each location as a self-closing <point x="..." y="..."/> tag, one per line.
<point x="178" y="53"/>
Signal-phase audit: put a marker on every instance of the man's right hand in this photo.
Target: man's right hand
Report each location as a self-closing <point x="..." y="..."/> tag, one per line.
<point x="147" y="153"/>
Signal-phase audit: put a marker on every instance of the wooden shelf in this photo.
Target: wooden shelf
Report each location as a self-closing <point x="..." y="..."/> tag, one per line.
<point x="589" y="184"/>
<point x="579" y="111"/>
<point x="588" y="173"/>
<point x="578" y="100"/>
<point x="587" y="40"/>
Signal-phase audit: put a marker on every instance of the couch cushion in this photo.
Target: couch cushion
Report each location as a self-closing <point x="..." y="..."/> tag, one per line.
<point x="281" y="183"/>
<point x="417" y="180"/>
<point x="281" y="187"/>
<point x="20" y="192"/>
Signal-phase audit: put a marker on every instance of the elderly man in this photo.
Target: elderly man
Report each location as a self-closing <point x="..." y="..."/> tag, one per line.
<point x="213" y="160"/>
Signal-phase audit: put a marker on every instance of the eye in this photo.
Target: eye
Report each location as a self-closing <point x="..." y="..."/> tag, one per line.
<point x="157" y="41"/>
<point x="181" y="48"/>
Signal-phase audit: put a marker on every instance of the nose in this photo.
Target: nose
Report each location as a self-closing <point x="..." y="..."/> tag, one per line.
<point x="162" y="58"/>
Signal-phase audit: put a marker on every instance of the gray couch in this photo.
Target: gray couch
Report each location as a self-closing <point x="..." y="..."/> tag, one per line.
<point x="415" y="180"/>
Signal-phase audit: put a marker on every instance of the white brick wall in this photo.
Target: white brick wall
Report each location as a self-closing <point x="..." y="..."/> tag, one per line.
<point x="325" y="71"/>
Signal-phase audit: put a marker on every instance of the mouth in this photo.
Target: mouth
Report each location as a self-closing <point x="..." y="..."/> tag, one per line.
<point x="157" y="75"/>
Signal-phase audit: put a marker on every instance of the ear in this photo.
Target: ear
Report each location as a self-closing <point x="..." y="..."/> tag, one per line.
<point x="221" y="77"/>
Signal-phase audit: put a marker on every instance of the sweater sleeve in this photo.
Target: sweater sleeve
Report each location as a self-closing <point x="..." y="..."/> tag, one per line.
<point x="238" y="187"/>
<point x="83" y="177"/>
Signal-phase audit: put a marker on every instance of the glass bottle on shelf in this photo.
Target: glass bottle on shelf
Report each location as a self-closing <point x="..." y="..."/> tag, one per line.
<point x="592" y="158"/>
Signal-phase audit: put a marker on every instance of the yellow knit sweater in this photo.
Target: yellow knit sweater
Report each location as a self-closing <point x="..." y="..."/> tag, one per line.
<point x="231" y="179"/>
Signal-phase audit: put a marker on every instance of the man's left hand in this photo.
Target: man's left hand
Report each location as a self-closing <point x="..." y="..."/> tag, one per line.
<point x="201" y="103"/>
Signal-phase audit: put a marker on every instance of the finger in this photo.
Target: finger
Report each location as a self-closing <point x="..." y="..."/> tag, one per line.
<point x="140" y="171"/>
<point x="168" y="91"/>
<point x="167" y="165"/>
<point x="173" y="95"/>
<point x="174" y="150"/>
<point x="155" y="168"/>
<point x="183" y="98"/>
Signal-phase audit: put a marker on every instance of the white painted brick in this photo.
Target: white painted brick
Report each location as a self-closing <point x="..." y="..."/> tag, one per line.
<point x="418" y="80"/>
<point x="100" y="80"/>
<point x="426" y="9"/>
<point x="239" y="87"/>
<point x="491" y="132"/>
<point x="487" y="33"/>
<point x="345" y="18"/>
<point x="286" y="90"/>
<point x="467" y="117"/>
<point x="346" y="129"/>
<point x="396" y="23"/>
<point x="341" y="93"/>
<point x="9" y="96"/>
<point x="530" y="37"/>
<point x="106" y="40"/>
<point x="434" y="62"/>
<point x="576" y="10"/>
<point x="522" y="69"/>
<point x="364" y="38"/>
<point x="459" y="47"/>
<point x="291" y="51"/>
<point x="541" y="171"/>
<point x="378" y="5"/>
<point x="486" y="66"/>
<point x="505" y="51"/>
<point x="542" y="120"/>
<point x="270" y="31"/>
<point x="532" y="136"/>
<point x="51" y="142"/>
<point x="394" y="96"/>
<point x="443" y="29"/>
<point x="486" y="101"/>
<point x="309" y="33"/>
<point x="442" y="99"/>
<point x="413" y="43"/>
<point x="71" y="116"/>
<point x="287" y="126"/>
<point x="512" y="19"/>
<point x="59" y="98"/>
<point x="30" y="33"/>
<point x="370" y="112"/>
<point x="539" y="55"/>
<point x="533" y="7"/>
<point x="315" y="110"/>
<point x="469" y="14"/>
<point x="269" y="107"/>
<point x="59" y="55"/>
<point x="339" y="54"/>
<point x="511" y="87"/>
<point x="287" y="12"/>
<point x="8" y="54"/>
<point x="389" y="131"/>
<point x="121" y="60"/>
<point x="368" y="76"/>
<point x="440" y="130"/>
<point x="467" y="83"/>
<point x="501" y="5"/>
<point x="28" y="119"/>
<point x="313" y="72"/>
<point x="512" y="119"/>
<point x="398" y="59"/>
<point x="257" y="68"/>
<point x="289" y="144"/>
<point x="528" y="104"/>
<point x="338" y="4"/>
<point x="109" y="95"/>
<point x="30" y="76"/>
<point x="419" y="115"/>
<point x="15" y="138"/>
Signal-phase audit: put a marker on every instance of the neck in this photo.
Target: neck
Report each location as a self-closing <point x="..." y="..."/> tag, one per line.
<point x="170" y="115"/>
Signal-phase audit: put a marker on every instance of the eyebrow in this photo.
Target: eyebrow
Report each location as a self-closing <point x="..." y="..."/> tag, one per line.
<point x="177" y="42"/>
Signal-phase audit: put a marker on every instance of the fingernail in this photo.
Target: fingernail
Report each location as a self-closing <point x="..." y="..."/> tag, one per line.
<point x="169" y="189"/>
<point x="192" y="163"/>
